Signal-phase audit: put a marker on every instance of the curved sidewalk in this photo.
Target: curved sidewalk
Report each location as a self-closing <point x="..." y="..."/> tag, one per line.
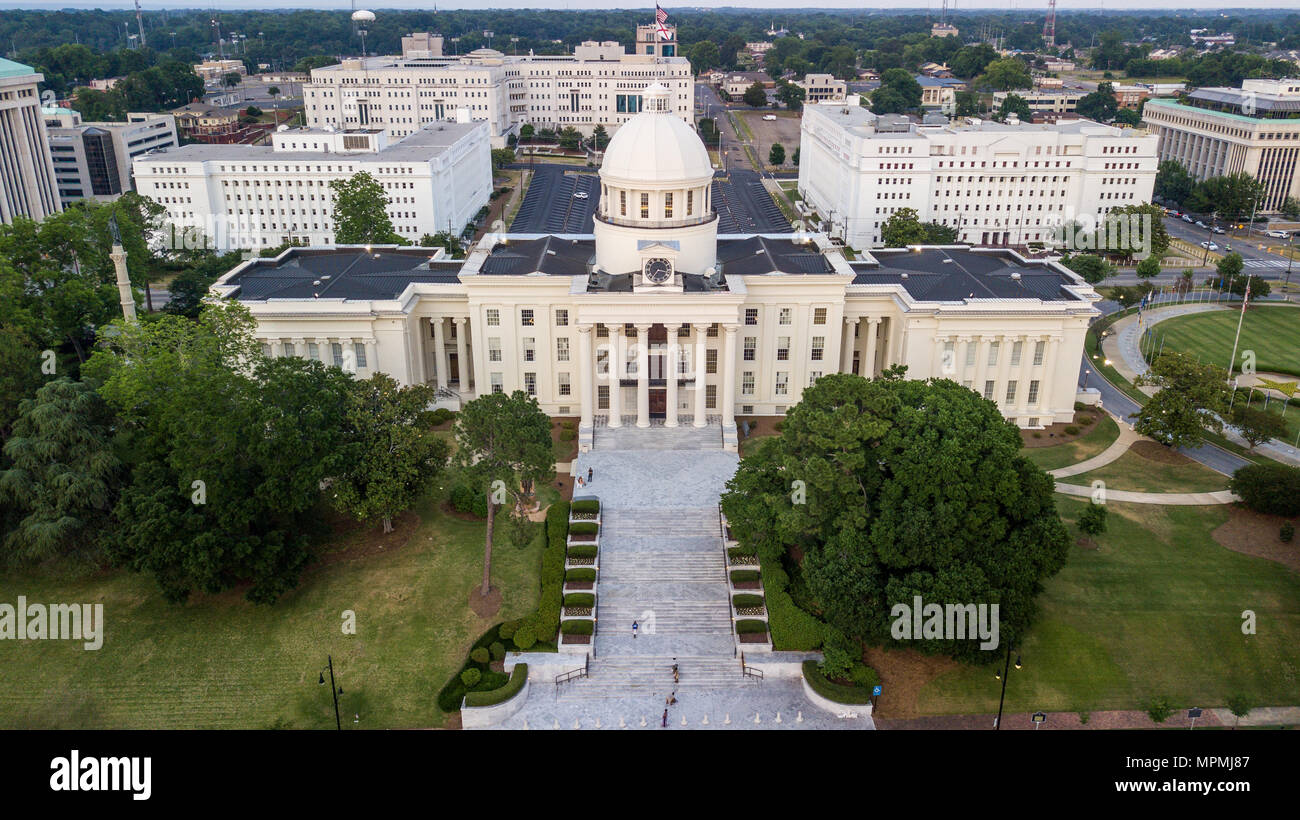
<point x="1168" y="499"/>
<point x="1118" y="448"/>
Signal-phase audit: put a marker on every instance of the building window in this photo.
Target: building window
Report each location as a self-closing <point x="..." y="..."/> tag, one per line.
<point x="970" y="355"/>
<point x="747" y="383"/>
<point x="751" y="316"/>
<point x="782" y="383"/>
<point x="1011" y="392"/>
<point x="1033" y="391"/>
<point x="819" y="316"/>
<point x="564" y="384"/>
<point x="711" y="396"/>
<point x="751" y="348"/>
<point x="526" y="317"/>
<point x="602" y="332"/>
<point x="494" y="349"/>
<point x="645" y="206"/>
<point x="288" y="350"/>
<point x="360" y="351"/>
<point x="622" y="203"/>
<point x="1038" y="354"/>
<point x="498" y="385"/>
<point x="993" y="354"/>
<point x="313" y="351"/>
<point x="493" y="317"/>
<point x="818" y="348"/>
<point x="668" y="205"/>
<point x="784" y="316"/>
<point x="562" y="349"/>
<point x="813" y="376"/>
<point x="530" y="383"/>
<point x="1016" y="349"/>
<point x="602" y="397"/>
<point x="690" y="203"/>
<point x="988" y="389"/>
<point x="782" y="348"/>
<point x="266" y="350"/>
<point x="710" y="361"/>
<point x="336" y="352"/>
<point x="561" y="317"/>
<point x="530" y="349"/>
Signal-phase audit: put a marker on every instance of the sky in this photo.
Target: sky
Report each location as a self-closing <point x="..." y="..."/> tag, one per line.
<point x="1124" y="5"/>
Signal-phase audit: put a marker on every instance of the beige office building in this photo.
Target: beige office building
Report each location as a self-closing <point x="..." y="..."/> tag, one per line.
<point x="27" y="179"/>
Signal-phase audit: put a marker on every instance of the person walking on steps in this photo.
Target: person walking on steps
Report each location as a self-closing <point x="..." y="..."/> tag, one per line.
<point x="635" y="627"/>
<point x="589" y="475"/>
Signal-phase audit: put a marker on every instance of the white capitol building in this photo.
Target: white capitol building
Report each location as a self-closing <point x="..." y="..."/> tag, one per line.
<point x="656" y="319"/>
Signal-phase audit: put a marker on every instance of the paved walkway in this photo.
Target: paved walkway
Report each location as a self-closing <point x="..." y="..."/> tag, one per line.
<point x="1106" y="719"/>
<point x="1171" y="499"/>
<point x="1111" y="453"/>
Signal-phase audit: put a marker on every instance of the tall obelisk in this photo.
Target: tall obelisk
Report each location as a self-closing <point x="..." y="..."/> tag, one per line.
<point x="118" y="255"/>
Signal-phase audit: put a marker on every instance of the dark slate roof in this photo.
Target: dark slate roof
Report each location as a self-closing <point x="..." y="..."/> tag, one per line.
<point x="927" y="276"/>
<point x="758" y="255"/>
<point x="549" y="255"/>
<point x="342" y="274"/>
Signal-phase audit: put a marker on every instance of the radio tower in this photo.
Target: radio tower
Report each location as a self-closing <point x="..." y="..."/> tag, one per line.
<point x="139" y="21"/>
<point x="1049" y="28"/>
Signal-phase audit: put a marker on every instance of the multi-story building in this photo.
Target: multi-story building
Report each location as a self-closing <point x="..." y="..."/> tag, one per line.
<point x="939" y="93"/>
<point x="657" y="321"/>
<point x="1055" y="102"/>
<point x="823" y="88"/>
<point x="92" y="160"/>
<point x="996" y="183"/>
<point x="943" y="30"/>
<point x="27" y="179"/>
<point x="735" y="83"/>
<point x="246" y="196"/>
<point x="214" y="71"/>
<point x="599" y="84"/>
<point x="1130" y="96"/>
<point x="1254" y="130"/>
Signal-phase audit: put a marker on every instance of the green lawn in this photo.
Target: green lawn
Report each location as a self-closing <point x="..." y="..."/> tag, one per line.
<point x="1134" y="472"/>
<point x="1103" y="434"/>
<point x="221" y="662"/>
<point x="1156" y="610"/>
<point x="1272" y="331"/>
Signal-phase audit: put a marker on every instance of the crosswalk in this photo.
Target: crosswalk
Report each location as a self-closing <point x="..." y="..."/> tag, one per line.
<point x="1265" y="263"/>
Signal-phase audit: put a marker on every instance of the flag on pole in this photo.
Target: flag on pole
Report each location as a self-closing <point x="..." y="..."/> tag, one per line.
<point x="661" y="18"/>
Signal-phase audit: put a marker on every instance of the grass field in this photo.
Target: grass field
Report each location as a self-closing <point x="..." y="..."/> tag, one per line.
<point x="1134" y="472"/>
<point x="1272" y="331"/>
<point x="221" y="662"/>
<point x="1101" y="436"/>
<point x="1156" y="610"/>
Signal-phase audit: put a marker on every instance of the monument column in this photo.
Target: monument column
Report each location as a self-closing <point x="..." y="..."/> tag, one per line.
<point x="868" y="368"/>
<point x="439" y="351"/>
<point x="701" y="378"/>
<point x="850" y="341"/>
<point x="587" y="377"/>
<point x="614" y="372"/>
<point x="729" y="377"/>
<point x="462" y="357"/>
<point x="642" y="376"/>
<point x="670" y="372"/>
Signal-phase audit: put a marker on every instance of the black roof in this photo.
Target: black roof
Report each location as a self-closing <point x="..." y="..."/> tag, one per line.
<point x="953" y="274"/>
<point x="758" y="255"/>
<point x="549" y="254"/>
<point x="343" y="274"/>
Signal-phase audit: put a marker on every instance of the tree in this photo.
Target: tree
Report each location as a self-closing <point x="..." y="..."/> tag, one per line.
<point x="1148" y="267"/>
<point x="704" y="56"/>
<point x="755" y="96"/>
<point x="1231" y="198"/>
<point x="392" y="453"/>
<point x="1100" y="105"/>
<point x="231" y="79"/>
<point x="937" y="233"/>
<point x="795" y="157"/>
<point x="971" y="61"/>
<point x="1257" y="426"/>
<point x="1129" y="117"/>
<point x="274" y="91"/>
<point x="1090" y="266"/>
<point x="1230" y="266"/>
<point x="1015" y="104"/>
<point x="790" y="94"/>
<point x="776" y="156"/>
<point x="570" y="137"/>
<point x="1092" y="521"/>
<point x="503" y="447"/>
<point x="872" y="526"/>
<point x="1240" y="705"/>
<point x="903" y="228"/>
<point x="526" y="131"/>
<point x="1134" y="229"/>
<point x="361" y="212"/>
<point x="501" y="157"/>
<point x="1190" y="401"/>
<point x="968" y="104"/>
<point x="901" y="93"/>
<point x="1290" y="208"/>
<point x="1005" y="74"/>
<point x="599" y="137"/>
<point x="1270" y="488"/>
<point x="444" y="239"/>
<point x="1173" y="183"/>
<point x="63" y="474"/>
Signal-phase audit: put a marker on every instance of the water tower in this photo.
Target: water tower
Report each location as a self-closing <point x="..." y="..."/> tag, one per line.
<point x="362" y="19"/>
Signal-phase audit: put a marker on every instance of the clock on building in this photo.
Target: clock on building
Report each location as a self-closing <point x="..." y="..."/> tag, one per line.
<point x="657" y="271"/>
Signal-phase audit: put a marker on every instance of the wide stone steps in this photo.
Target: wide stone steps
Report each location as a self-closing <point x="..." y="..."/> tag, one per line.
<point x="651" y="675"/>
<point x="657" y="438"/>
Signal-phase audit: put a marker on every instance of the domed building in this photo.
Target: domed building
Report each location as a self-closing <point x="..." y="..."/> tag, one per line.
<point x="655" y="319"/>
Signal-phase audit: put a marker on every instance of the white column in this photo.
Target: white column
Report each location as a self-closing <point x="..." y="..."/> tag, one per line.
<point x="300" y="347"/>
<point x="462" y="358"/>
<point x="868" y="368"/>
<point x="439" y="351"/>
<point x="936" y="366"/>
<point x="701" y="340"/>
<point x="981" y="363"/>
<point x="670" y="368"/>
<point x="642" y="376"/>
<point x="614" y="372"/>
<point x="1004" y="370"/>
<point x="729" y="377"/>
<point x="1049" y="372"/>
<point x="850" y="340"/>
<point x="372" y="360"/>
<point x="586" y="379"/>
<point x="959" y="362"/>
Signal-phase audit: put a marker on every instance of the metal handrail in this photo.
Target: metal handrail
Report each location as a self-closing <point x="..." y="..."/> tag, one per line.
<point x="574" y="674"/>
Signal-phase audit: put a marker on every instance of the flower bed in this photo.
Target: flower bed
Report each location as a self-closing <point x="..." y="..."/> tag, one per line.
<point x="584" y="517"/>
<point x="751" y="631"/>
<point x="746" y="579"/>
<point x="741" y="557"/>
<point x="749" y="605"/>
<point x="577" y="631"/>
<point x="579" y="604"/>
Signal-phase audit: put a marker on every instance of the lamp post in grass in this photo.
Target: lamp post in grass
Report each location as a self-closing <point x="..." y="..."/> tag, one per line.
<point x="334" y="690"/>
<point x="1006" y="670"/>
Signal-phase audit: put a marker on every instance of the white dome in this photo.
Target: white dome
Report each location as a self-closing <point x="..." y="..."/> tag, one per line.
<point x="656" y="145"/>
<point x="363" y="16"/>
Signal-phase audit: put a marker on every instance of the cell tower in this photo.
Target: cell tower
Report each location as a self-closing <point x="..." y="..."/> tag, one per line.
<point x="362" y="20"/>
<point x="1049" y="27"/>
<point x="139" y="21"/>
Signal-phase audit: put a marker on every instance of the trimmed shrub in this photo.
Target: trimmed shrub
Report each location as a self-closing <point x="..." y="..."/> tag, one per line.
<point x="441" y="416"/>
<point x="834" y="691"/>
<point x="1092" y="521"/>
<point x="1287" y="532"/>
<point x="568" y="435"/>
<point x="467" y="500"/>
<point x="584" y="528"/>
<point x="588" y="505"/>
<point x="751" y="626"/>
<point x="581" y="576"/>
<point x="582" y="551"/>
<point x="1268" y="488"/>
<point x="581" y="626"/>
<point x="471" y="676"/>
<point x="557" y="523"/>
<point x="1158" y="709"/>
<point x="480" y="655"/>
<point x="583" y="599"/>
<point x="507" y="629"/>
<point x="518" y="676"/>
<point x="1086" y="420"/>
<point x="746" y="601"/>
<point x="1072" y="430"/>
<point x="793" y="629"/>
<point x="497" y="650"/>
<point x="745" y="576"/>
<point x="525" y="637"/>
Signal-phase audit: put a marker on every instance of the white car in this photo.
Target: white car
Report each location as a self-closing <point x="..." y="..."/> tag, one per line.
<point x="1217" y="229"/>
<point x="1200" y="224"/>
<point x="1186" y="218"/>
<point x="580" y="194"/>
<point x="1276" y="234"/>
<point x="769" y="118"/>
<point x="1210" y="245"/>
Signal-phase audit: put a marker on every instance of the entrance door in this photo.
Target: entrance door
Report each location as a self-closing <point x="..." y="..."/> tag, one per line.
<point x="658" y="403"/>
<point x="453" y="369"/>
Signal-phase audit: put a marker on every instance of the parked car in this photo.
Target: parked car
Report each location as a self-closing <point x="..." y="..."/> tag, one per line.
<point x="769" y="117"/>
<point x="1186" y="218"/>
<point x="580" y="194"/>
<point x="1217" y="229"/>
<point x="1200" y="224"/>
<point x="1276" y="234"/>
<point x="1210" y="245"/>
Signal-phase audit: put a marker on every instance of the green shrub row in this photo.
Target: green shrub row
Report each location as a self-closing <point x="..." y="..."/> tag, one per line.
<point x="747" y="600"/>
<point x="579" y="626"/>
<point x="586" y="505"/>
<point x="441" y="416"/>
<point x="750" y="626"/>
<point x="834" y="691"/>
<point x="518" y="677"/>
<point x="583" y="551"/>
<point x="793" y="629"/>
<point x="584" y="528"/>
<point x="744" y="576"/>
<point x="454" y="691"/>
<point x="580" y="599"/>
<point x="581" y="575"/>
<point x="544" y="624"/>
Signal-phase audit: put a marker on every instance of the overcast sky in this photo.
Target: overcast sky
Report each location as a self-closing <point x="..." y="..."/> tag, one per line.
<point x="1026" y="5"/>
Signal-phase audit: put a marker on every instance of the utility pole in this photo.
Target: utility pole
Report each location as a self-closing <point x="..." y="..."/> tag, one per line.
<point x="139" y="21"/>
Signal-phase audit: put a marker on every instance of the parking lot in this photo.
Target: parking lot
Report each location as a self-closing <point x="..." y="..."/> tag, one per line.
<point x="560" y="200"/>
<point x="784" y="130"/>
<point x="745" y="206"/>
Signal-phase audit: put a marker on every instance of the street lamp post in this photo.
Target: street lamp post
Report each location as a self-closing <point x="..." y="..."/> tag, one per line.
<point x="1286" y="284"/>
<point x="335" y="691"/>
<point x="1006" y="669"/>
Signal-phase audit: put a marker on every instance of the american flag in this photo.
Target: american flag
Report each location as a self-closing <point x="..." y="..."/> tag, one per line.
<point x="661" y="17"/>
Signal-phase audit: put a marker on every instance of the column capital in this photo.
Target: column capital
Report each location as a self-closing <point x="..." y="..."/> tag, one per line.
<point x="731" y="329"/>
<point x="642" y="327"/>
<point x="460" y="320"/>
<point x="875" y="320"/>
<point x="297" y="340"/>
<point x="587" y="328"/>
<point x="852" y="320"/>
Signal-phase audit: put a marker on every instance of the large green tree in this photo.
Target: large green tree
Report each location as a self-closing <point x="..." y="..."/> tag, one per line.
<point x="755" y="96"/>
<point x="503" y="448"/>
<point x="1100" y="105"/>
<point x="1173" y="183"/>
<point x="847" y="497"/>
<point x="361" y="212"/>
<point x="1005" y="74"/>
<point x="1191" y="400"/>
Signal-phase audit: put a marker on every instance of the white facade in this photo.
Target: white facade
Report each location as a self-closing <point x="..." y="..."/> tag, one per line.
<point x="599" y="84"/>
<point x="243" y="196"/>
<point x="997" y="184"/>
<point x="657" y="320"/>
<point x="27" y="179"/>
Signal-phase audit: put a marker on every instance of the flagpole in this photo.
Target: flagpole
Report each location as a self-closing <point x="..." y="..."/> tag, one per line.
<point x="1237" y="338"/>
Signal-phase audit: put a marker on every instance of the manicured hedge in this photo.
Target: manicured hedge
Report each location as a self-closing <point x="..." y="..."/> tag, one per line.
<point x="793" y="629"/>
<point x="502" y="694"/>
<point x="584" y="528"/>
<point x="744" y="576"/>
<point x="741" y="552"/>
<point x="586" y="505"/>
<point x="454" y="691"/>
<point x="580" y="626"/>
<point x="580" y="599"/>
<point x="441" y="415"/>
<point x="582" y="551"/>
<point x="557" y="524"/>
<point x="834" y="691"/>
<point x="581" y="575"/>
<point x="743" y="601"/>
<point x="1268" y="488"/>
<point x="750" y="626"/>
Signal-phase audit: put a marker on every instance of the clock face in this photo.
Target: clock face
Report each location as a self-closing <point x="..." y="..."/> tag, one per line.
<point x="657" y="271"/>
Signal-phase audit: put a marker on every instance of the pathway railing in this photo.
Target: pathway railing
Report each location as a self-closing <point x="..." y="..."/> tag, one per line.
<point x="751" y="672"/>
<point x="574" y="674"/>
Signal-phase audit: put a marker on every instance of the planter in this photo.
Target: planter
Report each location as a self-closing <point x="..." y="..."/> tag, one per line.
<point x="576" y="612"/>
<point x="751" y="612"/>
<point x="579" y="586"/>
<point x="745" y="585"/>
<point x="579" y="563"/>
<point x="576" y="640"/>
<point x="754" y="637"/>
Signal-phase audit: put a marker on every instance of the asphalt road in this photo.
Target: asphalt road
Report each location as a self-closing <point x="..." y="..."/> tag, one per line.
<point x="550" y="206"/>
